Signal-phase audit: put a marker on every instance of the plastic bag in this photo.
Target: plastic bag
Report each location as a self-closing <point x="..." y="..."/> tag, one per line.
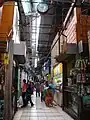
<point x="20" y="102"/>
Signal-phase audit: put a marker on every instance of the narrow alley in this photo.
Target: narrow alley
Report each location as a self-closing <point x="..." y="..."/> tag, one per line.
<point x="45" y="48"/>
<point x="40" y="112"/>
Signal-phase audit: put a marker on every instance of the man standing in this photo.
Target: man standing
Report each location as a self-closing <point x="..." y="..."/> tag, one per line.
<point x="37" y="85"/>
<point x="42" y="90"/>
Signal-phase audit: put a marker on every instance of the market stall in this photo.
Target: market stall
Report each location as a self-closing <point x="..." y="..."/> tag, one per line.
<point x="77" y="91"/>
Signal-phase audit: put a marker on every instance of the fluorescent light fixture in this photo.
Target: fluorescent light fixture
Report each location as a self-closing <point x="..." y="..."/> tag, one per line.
<point x="37" y="36"/>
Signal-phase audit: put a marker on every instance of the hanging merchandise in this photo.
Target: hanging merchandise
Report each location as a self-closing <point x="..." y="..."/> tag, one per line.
<point x="80" y="64"/>
<point x="83" y="78"/>
<point x="78" y="77"/>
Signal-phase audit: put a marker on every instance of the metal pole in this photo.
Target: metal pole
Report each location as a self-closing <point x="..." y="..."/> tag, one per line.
<point x="8" y="84"/>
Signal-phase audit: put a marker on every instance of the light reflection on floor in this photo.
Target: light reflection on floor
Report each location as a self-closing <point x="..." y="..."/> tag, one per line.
<point x="40" y="112"/>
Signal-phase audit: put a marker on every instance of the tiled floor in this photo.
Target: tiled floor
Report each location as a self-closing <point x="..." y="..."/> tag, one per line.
<point x="40" y="112"/>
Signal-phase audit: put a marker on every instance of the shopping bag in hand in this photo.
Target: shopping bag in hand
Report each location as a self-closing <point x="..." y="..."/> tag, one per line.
<point x="20" y="102"/>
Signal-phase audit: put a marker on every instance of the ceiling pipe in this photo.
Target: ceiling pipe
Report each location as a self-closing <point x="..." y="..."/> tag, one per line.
<point x="51" y="2"/>
<point x="60" y="32"/>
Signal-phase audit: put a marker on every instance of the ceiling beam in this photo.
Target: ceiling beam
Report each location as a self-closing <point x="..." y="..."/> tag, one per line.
<point x="45" y="45"/>
<point x="44" y="26"/>
<point x="42" y="33"/>
<point x="49" y="2"/>
<point x="42" y="53"/>
<point x="44" y="41"/>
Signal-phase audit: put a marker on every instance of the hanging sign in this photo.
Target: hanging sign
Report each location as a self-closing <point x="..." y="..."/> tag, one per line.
<point x="58" y="69"/>
<point x="6" y="59"/>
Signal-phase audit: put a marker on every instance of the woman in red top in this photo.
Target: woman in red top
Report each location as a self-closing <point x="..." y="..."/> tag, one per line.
<point x="24" y="88"/>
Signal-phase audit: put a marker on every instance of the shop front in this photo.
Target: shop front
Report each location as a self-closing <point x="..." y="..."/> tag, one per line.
<point x="77" y="90"/>
<point x="58" y="80"/>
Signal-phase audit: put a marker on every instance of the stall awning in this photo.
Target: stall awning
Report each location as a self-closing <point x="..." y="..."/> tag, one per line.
<point x="7" y="21"/>
<point x="68" y="55"/>
<point x="64" y="57"/>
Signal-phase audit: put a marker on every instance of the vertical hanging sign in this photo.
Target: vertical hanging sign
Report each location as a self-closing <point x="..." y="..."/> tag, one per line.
<point x="0" y="13"/>
<point x="6" y="59"/>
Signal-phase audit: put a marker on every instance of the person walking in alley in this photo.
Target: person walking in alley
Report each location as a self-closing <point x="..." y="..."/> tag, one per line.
<point x="52" y="86"/>
<point x="29" y="93"/>
<point x="24" y="88"/>
<point x="49" y="97"/>
<point x="37" y="86"/>
<point x="42" y="91"/>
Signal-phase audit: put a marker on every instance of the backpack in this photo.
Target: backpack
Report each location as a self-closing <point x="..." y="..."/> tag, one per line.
<point x="29" y="90"/>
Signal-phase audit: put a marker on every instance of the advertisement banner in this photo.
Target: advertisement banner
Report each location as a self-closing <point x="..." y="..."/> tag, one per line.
<point x="58" y="73"/>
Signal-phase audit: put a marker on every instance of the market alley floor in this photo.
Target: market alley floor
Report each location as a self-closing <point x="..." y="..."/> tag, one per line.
<point x="40" y="112"/>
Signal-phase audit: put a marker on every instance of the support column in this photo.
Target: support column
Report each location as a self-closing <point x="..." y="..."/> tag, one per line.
<point x="16" y="88"/>
<point x="8" y="84"/>
<point x="64" y="101"/>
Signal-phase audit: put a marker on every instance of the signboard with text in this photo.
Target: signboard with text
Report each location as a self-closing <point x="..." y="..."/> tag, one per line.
<point x="58" y="73"/>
